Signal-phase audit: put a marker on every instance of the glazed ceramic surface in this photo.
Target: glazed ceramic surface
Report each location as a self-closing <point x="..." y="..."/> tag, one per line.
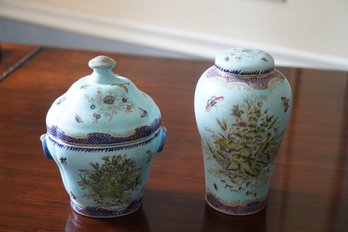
<point x="103" y="133"/>
<point x="242" y="108"/>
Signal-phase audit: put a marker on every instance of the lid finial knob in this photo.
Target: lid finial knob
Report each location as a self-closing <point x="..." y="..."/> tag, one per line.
<point x="102" y="69"/>
<point x="102" y="62"/>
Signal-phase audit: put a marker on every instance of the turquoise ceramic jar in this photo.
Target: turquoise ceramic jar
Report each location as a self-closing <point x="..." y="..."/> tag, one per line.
<point x="103" y="133"/>
<point x="242" y="108"/>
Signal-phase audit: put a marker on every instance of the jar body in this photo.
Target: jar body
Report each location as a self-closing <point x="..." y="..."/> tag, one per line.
<point x="105" y="182"/>
<point x="241" y="121"/>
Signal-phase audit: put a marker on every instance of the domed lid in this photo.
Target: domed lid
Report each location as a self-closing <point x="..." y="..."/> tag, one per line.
<point x="241" y="61"/>
<point x="102" y="109"/>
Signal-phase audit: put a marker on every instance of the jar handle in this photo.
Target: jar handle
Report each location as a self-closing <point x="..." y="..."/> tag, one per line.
<point x="163" y="139"/>
<point x="45" y="148"/>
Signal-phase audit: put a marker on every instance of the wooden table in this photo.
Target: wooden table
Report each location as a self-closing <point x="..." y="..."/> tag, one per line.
<point x="309" y="189"/>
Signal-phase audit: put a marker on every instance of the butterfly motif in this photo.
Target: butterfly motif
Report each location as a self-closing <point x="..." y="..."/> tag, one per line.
<point x="63" y="160"/>
<point x="285" y="103"/>
<point x="212" y="102"/>
<point x="143" y="113"/>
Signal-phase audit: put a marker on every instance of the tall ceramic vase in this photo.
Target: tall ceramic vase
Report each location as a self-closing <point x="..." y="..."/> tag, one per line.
<point x="242" y="108"/>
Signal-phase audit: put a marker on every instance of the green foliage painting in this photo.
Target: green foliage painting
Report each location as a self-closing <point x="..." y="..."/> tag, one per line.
<point x="111" y="182"/>
<point x="245" y="149"/>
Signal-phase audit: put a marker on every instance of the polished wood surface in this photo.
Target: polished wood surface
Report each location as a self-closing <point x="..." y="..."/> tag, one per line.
<point x="12" y="56"/>
<point x="309" y="188"/>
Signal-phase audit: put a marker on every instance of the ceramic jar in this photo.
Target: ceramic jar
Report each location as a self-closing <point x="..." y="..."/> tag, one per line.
<point x="242" y="108"/>
<point x="103" y="134"/>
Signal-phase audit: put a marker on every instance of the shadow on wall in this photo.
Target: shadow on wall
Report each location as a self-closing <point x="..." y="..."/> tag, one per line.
<point x="26" y="33"/>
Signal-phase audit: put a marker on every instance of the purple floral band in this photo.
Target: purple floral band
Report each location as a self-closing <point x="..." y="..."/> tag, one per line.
<point x="252" y="80"/>
<point x="235" y="208"/>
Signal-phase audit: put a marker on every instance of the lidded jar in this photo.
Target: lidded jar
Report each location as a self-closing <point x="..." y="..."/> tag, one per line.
<point x="102" y="134"/>
<point x="242" y="108"/>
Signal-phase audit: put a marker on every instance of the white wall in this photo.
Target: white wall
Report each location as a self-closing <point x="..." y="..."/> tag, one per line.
<point x="311" y="33"/>
<point x="27" y="33"/>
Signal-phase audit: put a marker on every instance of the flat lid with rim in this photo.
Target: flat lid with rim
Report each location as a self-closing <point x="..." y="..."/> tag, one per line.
<point x="242" y="61"/>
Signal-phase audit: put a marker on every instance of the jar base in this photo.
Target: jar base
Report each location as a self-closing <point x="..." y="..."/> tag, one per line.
<point x="236" y="209"/>
<point x="96" y="212"/>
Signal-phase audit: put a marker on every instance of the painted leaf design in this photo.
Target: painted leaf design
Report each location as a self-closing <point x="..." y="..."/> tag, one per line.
<point x="245" y="153"/>
<point x="223" y="124"/>
<point x="233" y="166"/>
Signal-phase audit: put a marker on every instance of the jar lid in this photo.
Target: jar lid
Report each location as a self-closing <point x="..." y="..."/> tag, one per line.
<point x="242" y="61"/>
<point x="103" y="109"/>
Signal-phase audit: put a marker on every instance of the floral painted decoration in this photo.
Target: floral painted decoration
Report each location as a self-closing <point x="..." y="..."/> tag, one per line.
<point x="111" y="182"/>
<point x="241" y="149"/>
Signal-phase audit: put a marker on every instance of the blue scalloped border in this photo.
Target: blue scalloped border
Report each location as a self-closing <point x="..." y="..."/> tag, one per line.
<point x="96" y="138"/>
<point x="104" y="213"/>
<point x="103" y="149"/>
<point x="247" y="73"/>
